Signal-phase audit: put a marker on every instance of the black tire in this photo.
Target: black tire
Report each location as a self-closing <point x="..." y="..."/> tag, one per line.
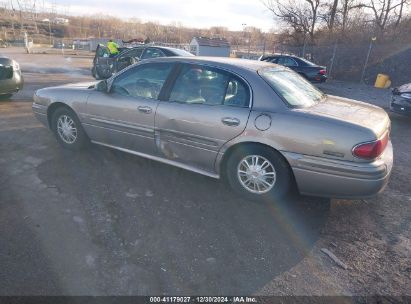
<point x="283" y="175"/>
<point x="5" y="96"/>
<point x="81" y="139"/>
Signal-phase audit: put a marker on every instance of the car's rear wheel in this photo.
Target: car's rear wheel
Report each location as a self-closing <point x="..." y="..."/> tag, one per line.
<point x="68" y="129"/>
<point x="258" y="173"/>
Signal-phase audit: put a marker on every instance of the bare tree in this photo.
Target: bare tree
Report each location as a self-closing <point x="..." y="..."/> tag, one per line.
<point x="347" y="6"/>
<point x="385" y="11"/>
<point x="332" y="13"/>
<point x="301" y="15"/>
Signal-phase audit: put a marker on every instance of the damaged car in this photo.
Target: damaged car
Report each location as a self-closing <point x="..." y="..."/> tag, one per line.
<point x="257" y="125"/>
<point x="401" y="100"/>
<point x="105" y="66"/>
<point x="11" y="80"/>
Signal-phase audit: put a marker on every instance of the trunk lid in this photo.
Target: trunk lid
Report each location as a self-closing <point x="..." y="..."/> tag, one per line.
<point x="353" y="112"/>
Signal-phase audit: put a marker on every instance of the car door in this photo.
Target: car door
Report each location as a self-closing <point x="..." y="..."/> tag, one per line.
<point x="124" y="116"/>
<point x="205" y="108"/>
<point x="103" y="62"/>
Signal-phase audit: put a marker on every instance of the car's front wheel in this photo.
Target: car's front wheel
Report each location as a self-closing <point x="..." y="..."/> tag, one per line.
<point x="68" y="129"/>
<point x="258" y="173"/>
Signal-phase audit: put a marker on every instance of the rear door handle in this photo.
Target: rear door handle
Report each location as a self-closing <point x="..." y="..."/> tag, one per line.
<point x="146" y="110"/>
<point x="230" y="121"/>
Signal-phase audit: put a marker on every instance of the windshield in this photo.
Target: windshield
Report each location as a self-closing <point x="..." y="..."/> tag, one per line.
<point x="293" y="88"/>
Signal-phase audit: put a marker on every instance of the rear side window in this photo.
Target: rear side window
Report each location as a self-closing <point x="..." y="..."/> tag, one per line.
<point x="287" y="61"/>
<point x="144" y="81"/>
<point x="209" y="86"/>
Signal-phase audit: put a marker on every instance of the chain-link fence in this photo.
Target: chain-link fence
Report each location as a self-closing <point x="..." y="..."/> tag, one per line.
<point x="359" y="62"/>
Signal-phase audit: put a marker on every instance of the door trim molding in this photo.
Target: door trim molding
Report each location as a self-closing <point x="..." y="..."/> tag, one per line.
<point x="161" y="160"/>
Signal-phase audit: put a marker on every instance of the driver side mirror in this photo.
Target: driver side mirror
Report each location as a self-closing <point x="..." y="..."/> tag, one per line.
<point x="102" y="86"/>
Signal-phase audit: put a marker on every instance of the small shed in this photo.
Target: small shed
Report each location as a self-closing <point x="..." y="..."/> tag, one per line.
<point x="202" y="46"/>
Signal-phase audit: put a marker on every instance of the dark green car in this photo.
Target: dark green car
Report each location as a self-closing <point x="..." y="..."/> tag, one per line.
<point x="11" y="80"/>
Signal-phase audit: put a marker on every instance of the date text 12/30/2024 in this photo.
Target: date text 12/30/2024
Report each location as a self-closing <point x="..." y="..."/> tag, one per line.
<point x="203" y="300"/>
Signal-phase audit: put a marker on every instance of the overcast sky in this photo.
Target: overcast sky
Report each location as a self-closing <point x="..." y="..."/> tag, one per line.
<point x="191" y="13"/>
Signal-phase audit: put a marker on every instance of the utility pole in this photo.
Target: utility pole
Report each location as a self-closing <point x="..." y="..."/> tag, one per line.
<point x="332" y="59"/>
<point x="367" y="58"/>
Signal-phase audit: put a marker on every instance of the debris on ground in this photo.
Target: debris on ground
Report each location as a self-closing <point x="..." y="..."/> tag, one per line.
<point x="334" y="258"/>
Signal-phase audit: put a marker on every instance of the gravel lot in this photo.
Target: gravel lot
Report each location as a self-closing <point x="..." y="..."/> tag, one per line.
<point x="102" y="222"/>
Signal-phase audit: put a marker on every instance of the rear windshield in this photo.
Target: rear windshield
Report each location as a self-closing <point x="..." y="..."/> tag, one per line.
<point x="293" y="88"/>
<point x="307" y="62"/>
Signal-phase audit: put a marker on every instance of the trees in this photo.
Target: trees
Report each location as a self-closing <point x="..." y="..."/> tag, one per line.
<point x="386" y="12"/>
<point x="311" y="17"/>
<point x="301" y="15"/>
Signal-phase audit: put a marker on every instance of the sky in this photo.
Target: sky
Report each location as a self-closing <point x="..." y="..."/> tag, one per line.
<point x="191" y="13"/>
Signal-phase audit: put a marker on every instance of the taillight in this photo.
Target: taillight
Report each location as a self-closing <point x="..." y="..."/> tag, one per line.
<point x="322" y="72"/>
<point x="371" y="150"/>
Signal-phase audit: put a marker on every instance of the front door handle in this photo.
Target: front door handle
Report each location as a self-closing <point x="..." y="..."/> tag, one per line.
<point x="146" y="110"/>
<point x="230" y="121"/>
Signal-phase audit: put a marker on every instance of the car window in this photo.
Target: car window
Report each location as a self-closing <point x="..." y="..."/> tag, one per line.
<point x="135" y="53"/>
<point x="293" y="88"/>
<point x="102" y="51"/>
<point x="204" y="85"/>
<point x="307" y="62"/>
<point x="200" y="85"/>
<point x="237" y="93"/>
<point x="143" y="81"/>
<point x="152" y="53"/>
<point x="287" y="61"/>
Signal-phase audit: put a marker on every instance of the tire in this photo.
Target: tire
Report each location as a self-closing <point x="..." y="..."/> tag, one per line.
<point x="272" y="168"/>
<point x="64" y="119"/>
<point x="5" y="96"/>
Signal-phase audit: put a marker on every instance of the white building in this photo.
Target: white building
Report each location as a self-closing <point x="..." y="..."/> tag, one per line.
<point x="202" y="46"/>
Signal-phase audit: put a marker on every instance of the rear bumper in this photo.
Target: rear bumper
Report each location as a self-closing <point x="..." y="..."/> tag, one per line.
<point x="12" y="85"/>
<point x="319" y="78"/>
<point x="341" y="179"/>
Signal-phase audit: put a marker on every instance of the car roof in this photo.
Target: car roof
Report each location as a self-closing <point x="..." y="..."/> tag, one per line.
<point x="144" y="46"/>
<point x="251" y="65"/>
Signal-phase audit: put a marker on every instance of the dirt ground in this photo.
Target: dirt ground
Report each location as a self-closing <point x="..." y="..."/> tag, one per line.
<point x="104" y="223"/>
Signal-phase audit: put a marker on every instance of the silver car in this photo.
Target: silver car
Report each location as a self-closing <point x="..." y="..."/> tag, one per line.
<point x="260" y="126"/>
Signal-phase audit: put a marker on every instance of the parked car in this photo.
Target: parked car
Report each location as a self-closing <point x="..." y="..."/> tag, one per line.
<point x="257" y="124"/>
<point x="11" y="80"/>
<point x="401" y="100"/>
<point x="105" y="66"/>
<point x="305" y="68"/>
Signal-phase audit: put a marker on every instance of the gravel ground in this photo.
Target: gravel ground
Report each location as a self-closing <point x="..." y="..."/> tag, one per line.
<point x="105" y="223"/>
